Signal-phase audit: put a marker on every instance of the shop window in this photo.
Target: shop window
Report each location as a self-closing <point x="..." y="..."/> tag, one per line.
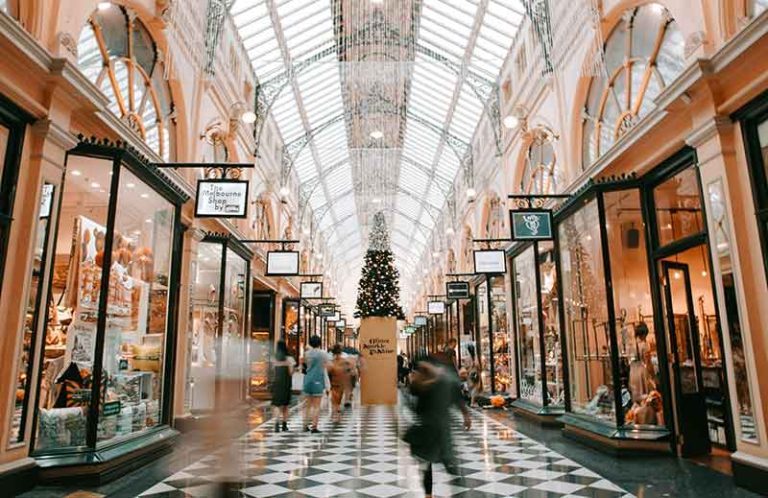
<point x="502" y="360"/>
<point x="677" y="202"/>
<point x="32" y="314"/>
<point x="641" y="384"/>
<point x="206" y="293"/>
<point x="541" y="174"/>
<point x="550" y="313"/>
<point x="484" y="333"/>
<point x="643" y="54"/>
<point x="742" y="376"/>
<point x="137" y="310"/>
<point x="527" y="314"/>
<point x="108" y="308"/>
<point x="586" y="317"/>
<point x="218" y="312"/>
<point x="118" y="55"/>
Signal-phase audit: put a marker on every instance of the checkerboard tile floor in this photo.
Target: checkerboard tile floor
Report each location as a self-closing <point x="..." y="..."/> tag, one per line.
<point x="364" y="456"/>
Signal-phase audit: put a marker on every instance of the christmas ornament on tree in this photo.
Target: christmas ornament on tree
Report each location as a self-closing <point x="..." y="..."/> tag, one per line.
<point x="378" y="293"/>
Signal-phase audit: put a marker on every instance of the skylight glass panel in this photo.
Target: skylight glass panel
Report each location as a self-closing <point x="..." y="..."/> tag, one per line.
<point x="435" y="197"/>
<point x="412" y="179"/>
<point x="306" y="24"/>
<point x="338" y="181"/>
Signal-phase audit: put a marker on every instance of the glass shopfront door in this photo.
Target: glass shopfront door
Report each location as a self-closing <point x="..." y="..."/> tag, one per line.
<point x="689" y="319"/>
<point x="683" y="333"/>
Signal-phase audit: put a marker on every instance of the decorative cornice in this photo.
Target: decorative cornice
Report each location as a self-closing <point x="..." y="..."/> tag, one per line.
<point x="54" y="133"/>
<point x="11" y="30"/>
<point x="709" y="129"/>
<point x="742" y="41"/>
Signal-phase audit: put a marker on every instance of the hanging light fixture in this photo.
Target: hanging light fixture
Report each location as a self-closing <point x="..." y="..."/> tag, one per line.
<point x="377" y="134"/>
<point x="104" y="5"/>
<point x="471" y="193"/>
<point x="248" y="117"/>
<point x="511" y="122"/>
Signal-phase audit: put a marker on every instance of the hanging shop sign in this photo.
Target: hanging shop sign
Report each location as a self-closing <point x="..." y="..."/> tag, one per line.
<point x="531" y="224"/>
<point x="46" y="200"/>
<point x="311" y="290"/>
<point x="420" y="321"/>
<point x="457" y="290"/>
<point x="341" y="324"/>
<point x="436" y="307"/>
<point x="221" y="198"/>
<point x="282" y="264"/>
<point x="327" y="311"/>
<point x="333" y="318"/>
<point x="490" y="261"/>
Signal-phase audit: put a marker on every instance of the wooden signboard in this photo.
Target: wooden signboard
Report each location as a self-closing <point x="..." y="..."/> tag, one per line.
<point x="378" y="348"/>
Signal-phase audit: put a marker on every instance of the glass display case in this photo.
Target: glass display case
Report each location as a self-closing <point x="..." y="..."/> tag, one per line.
<point x="110" y="309"/>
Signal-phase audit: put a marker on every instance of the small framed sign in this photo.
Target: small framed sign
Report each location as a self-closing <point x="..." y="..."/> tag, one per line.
<point x="311" y="290"/>
<point x="46" y="200"/>
<point x="282" y="263"/>
<point x="341" y="324"/>
<point x="436" y="307"/>
<point x="457" y="290"/>
<point x="531" y="224"/>
<point x="420" y="321"/>
<point x="490" y="261"/>
<point x="327" y="311"/>
<point x="221" y="198"/>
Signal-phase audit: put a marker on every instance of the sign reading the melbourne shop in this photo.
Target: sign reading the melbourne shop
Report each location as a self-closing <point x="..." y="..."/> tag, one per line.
<point x="457" y="290"/>
<point x="221" y="198"/>
<point x="531" y="224"/>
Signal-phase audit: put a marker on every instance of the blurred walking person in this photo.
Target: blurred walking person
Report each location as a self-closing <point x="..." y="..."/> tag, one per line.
<point x="340" y="374"/>
<point x="314" y="383"/>
<point x="474" y="377"/>
<point x="436" y="390"/>
<point x="282" y="374"/>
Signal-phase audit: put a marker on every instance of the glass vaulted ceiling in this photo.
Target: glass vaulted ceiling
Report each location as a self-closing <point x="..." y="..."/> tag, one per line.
<point x="447" y="35"/>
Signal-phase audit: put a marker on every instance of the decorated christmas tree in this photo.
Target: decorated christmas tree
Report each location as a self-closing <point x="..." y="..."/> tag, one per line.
<point x="378" y="293"/>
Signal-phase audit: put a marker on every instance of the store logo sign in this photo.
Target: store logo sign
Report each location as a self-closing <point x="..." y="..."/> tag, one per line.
<point x="328" y="311"/>
<point x="221" y="198"/>
<point x="531" y="224"/>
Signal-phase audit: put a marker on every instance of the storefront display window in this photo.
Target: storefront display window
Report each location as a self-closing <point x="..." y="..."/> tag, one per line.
<point x="527" y="314"/>
<point x="678" y="207"/>
<point x="639" y="373"/>
<point x="586" y="318"/>
<point x="206" y="293"/>
<point x="550" y="315"/>
<point x="32" y="313"/>
<point x="643" y="54"/>
<point x="502" y="360"/>
<point x="538" y="327"/>
<point x="104" y="374"/>
<point x="290" y="326"/>
<point x="741" y="367"/>
<point x="73" y="309"/>
<point x="483" y="339"/>
<point x="219" y="348"/>
<point x="137" y="311"/>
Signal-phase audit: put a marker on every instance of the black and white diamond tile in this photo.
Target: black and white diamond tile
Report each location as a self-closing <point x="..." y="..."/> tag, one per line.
<point x="363" y="456"/>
